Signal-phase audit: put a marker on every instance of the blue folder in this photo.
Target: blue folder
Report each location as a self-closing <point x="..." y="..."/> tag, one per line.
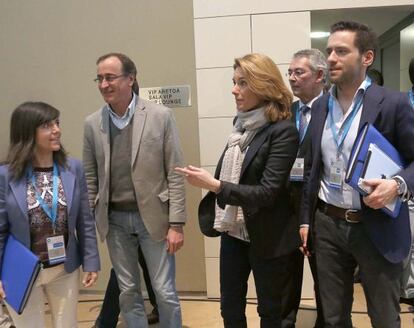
<point x="18" y="273"/>
<point x="370" y="140"/>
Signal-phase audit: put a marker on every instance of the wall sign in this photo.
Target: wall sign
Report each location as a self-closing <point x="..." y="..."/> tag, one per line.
<point x="170" y="96"/>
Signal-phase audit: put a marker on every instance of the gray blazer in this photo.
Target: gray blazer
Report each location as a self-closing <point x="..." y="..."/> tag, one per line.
<point x="156" y="151"/>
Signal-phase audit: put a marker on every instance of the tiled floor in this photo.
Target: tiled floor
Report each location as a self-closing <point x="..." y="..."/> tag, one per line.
<point x="199" y="312"/>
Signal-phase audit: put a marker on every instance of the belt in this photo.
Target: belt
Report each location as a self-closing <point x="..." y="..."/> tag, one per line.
<point x="123" y="206"/>
<point x="349" y="215"/>
<point x="46" y="265"/>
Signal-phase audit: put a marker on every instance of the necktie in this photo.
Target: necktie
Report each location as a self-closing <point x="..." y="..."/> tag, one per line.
<point x="302" y="121"/>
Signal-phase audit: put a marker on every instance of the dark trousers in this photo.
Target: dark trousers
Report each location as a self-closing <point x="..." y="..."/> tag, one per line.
<point x="292" y="291"/>
<point x="236" y="263"/>
<point x="341" y="246"/>
<point x="108" y="317"/>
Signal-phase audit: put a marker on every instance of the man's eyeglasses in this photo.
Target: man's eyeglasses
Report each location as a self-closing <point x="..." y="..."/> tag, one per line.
<point x="296" y="73"/>
<point x="108" y="78"/>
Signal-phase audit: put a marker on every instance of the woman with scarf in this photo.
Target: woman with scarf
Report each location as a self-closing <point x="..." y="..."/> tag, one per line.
<point x="44" y="205"/>
<point x="248" y="195"/>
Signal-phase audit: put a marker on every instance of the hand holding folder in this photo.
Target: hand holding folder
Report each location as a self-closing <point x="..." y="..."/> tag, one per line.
<point x="373" y="156"/>
<point x="377" y="165"/>
<point x="19" y="271"/>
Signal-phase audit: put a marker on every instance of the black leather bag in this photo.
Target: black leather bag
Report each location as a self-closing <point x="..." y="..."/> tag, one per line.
<point x="206" y="215"/>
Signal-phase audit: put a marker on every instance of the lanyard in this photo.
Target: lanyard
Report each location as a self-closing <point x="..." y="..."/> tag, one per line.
<point x="411" y="96"/>
<point x="298" y="114"/>
<point x="51" y="212"/>
<point x="340" y="135"/>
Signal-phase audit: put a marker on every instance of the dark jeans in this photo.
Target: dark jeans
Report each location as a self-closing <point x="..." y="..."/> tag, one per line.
<point x="339" y="247"/>
<point x="108" y="317"/>
<point x="236" y="263"/>
<point x="292" y="292"/>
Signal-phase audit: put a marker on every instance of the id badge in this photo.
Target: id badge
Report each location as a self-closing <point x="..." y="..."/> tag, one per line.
<point x="335" y="174"/>
<point x="56" y="249"/>
<point x="296" y="173"/>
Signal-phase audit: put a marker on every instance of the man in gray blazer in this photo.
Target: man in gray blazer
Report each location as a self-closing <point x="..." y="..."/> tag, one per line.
<point x="130" y="150"/>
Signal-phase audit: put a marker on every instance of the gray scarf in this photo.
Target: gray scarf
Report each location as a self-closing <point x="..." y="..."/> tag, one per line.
<point x="247" y="124"/>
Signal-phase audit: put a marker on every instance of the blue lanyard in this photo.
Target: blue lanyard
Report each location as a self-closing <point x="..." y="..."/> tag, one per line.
<point x="411" y="96"/>
<point x="298" y="113"/>
<point x="346" y="126"/>
<point x="51" y="212"/>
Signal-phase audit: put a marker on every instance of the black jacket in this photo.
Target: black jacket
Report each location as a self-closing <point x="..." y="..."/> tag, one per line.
<point x="262" y="191"/>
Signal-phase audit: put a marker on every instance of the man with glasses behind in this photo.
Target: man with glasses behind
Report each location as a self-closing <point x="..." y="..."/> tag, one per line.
<point x="307" y="75"/>
<point x="130" y="150"/>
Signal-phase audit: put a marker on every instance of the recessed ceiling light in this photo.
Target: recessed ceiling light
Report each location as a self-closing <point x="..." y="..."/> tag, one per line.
<point x="319" y="35"/>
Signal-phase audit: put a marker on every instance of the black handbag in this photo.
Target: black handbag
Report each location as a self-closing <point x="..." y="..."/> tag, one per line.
<point x="207" y="214"/>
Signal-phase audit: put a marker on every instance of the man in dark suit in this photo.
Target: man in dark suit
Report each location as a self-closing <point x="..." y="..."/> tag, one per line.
<point x="307" y="77"/>
<point x="407" y="281"/>
<point x="349" y="229"/>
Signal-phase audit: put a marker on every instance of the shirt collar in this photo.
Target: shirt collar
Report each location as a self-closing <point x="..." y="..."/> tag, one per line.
<point x="130" y="110"/>
<point x="361" y="89"/>
<point x="122" y="121"/>
<point x="310" y="103"/>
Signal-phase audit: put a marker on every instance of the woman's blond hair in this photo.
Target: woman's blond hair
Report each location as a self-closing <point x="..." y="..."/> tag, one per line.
<point x="264" y="80"/>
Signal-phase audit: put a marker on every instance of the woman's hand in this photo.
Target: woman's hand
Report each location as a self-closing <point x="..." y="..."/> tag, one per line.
<point x="199" y="177"/>
<point x="89" y="278"/>
<point x="2" y="293"/>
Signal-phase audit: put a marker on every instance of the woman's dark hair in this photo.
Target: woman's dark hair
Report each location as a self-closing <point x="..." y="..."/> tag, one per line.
<point x="25" y="119"/>
<point x="411" y="70"/>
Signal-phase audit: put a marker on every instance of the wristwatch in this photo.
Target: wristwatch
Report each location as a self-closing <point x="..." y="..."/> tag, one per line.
<point x="400" y="185"/>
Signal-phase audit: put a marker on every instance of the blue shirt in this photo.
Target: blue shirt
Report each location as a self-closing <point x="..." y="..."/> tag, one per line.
<point x="345" y="197"/>
<point x="122" y="121"/>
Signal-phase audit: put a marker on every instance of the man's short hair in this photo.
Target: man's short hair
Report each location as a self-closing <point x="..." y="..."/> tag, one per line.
<point x="128" y="66"/>
<point x="365" y="38"/>
<point x="317" y="60"/>
<point x="411" y="70"/>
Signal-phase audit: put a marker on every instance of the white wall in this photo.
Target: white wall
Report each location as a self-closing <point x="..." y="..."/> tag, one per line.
<point x="48" y="51"/>
<point x="217" y="8"/>
<point x="406" y="53"/>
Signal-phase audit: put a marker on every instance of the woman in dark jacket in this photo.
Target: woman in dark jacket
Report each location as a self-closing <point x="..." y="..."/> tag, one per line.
<point x="252" y="207"/>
